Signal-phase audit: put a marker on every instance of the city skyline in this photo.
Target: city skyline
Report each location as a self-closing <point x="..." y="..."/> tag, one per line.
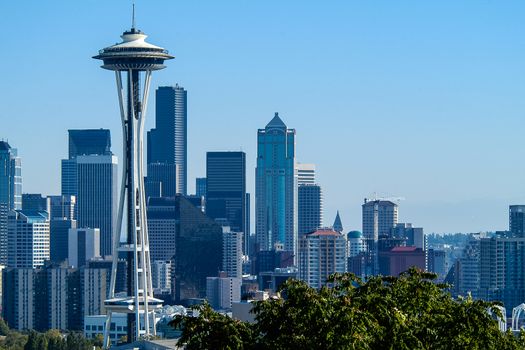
<point x="436" y="106"/>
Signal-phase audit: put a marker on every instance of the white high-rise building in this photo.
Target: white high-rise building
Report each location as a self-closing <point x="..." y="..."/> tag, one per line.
<point x="28" y="238"/>
<point x="222" y="291"/>
<point x="321" y="254"/>
<point x="162" y="272"/>
<point x="305" y="174"/>
<point x="379" y="218"/>
<point x="232" y="253"/>
<point x="83" y="245"/>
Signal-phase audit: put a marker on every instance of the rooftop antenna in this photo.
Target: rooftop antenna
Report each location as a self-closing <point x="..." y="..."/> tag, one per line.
<point x="133" y="17"/>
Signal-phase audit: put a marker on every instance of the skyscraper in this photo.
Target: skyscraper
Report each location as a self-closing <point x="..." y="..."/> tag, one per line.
<point x="28" y="238"/>
<point x="232" y="253"/>
<point x="83" y="245"/>
<point x="275" y="194"/>
<point x="198" y="250"/>
<point x="379" y="217"/>
<point x="226" y="190"/>
<point x="97" y="196"/>
<point x="90" y="174"/>
<point x="305" y="174"/>
<point x="200" y="186"/>
<point x="36" y="202"/>
<point x="309" y="208"/>
<point x="62" y="219"/>
<point x="89" y="141"/>
<point x="168" y="141"/>
<point x="517" y="220"/>
<point x="321" y="253"/>
<point x="163" y="218"/>
<point x="10" y="191"/>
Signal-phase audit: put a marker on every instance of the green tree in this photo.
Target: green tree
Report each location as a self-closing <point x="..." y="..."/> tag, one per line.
<point x="55" y="340"/>
<point x="14" y="341"/>
<point x="406" y="312"/>
<point x="4" y="329"/>
<point x="211" y="330"/>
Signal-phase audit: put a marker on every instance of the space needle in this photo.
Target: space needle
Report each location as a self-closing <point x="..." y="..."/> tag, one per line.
<point x="134" y="59"/>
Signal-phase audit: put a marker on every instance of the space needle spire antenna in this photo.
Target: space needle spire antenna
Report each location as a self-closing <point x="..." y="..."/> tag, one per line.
<point x="133" y="17"/>
<point x="133" y="60"/>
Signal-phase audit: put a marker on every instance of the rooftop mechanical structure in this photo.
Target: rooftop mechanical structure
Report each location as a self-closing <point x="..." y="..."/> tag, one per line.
<point x="134" y="59"/>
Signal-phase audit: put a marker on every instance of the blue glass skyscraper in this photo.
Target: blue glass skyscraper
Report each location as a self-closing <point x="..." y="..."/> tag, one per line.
<point x="226" y="190"/>
<point x="10" y="191"/>
<point x="168" y="141"/>
<point x="275" y="191"/>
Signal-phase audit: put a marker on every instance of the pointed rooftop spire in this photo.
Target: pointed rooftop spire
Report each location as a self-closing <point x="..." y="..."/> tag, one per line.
<point x="338" y="225"/>
<point x="133" y="17"/>
<point x="276" y="122"/>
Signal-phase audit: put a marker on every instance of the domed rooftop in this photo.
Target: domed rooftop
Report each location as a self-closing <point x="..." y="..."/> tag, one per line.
<point x="354" y="234"/>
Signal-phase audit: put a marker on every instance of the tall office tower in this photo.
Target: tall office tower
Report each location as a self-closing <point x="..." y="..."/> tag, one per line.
<point x="81" y="143"/>
<point x="28" y="238"/>
<point x="232" y="253"/>
<point x="89" y="141"/>
<point x="162" y="180"/>
<point x="135" y="59"/>
<point x="275" y="194"/>
<point x="200" y="187"/>
<point x="309" y="208"/>
<point x="162" y="227"/>
<point x="84" y="245"/>
<point x="97" y="196"/>
<point x="62" y="219"/>
<point x="379" y="217"/>
<point x="36" y="202"/>
<point x="90" y="174"/>
<point x="62" y="207"/>
<point x="305" y="174"/>
<point x="321" y="253"/>
<point x="198" y="250"/>
<point x="168" y="141"/>
<point x="517" y="220"/>
<point x="10" y="191"/>
<point x="338" y="224"/>
<point x="226" y="190"/>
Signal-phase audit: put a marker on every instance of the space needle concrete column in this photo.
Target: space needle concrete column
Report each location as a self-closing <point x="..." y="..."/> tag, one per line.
<point x="133" y="59"/>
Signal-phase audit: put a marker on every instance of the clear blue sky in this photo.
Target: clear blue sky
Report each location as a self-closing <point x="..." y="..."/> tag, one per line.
<point x="420" y="99"/>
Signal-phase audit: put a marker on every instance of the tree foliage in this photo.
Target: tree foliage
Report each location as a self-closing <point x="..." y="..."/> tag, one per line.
<point x="406" y="312"/>
<point x="50" y="340"/>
